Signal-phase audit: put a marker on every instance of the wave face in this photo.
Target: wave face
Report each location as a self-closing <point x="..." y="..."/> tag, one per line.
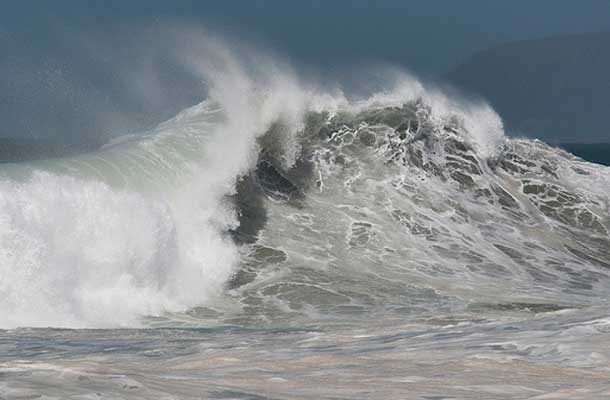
<point x="101" y="238"/>
<point x="138" y="228"/>
<point x="406" y="212"/>
<point x="275" y="203"/>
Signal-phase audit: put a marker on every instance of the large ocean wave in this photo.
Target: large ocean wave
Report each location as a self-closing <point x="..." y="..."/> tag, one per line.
<point x="400" y="201"/>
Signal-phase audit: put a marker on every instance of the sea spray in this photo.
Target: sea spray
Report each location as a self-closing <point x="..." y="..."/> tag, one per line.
<point x="139" y="228"/>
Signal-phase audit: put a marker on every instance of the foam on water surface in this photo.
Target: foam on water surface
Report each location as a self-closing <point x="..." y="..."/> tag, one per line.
<point x="281" y="233"/>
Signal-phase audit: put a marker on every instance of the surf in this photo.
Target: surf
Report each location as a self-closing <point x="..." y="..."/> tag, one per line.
<point x="401" y="201"/>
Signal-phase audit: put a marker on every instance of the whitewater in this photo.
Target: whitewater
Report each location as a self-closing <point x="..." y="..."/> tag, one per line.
<point x="285" y="238"/>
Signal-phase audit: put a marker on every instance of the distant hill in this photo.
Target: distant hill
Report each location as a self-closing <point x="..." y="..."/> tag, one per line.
<point x="556" y="89"/>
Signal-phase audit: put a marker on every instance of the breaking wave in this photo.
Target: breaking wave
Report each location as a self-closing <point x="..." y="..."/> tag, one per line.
<point x="278" y="201"/>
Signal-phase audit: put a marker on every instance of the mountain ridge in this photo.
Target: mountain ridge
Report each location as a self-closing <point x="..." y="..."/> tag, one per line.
<point x="556" y="88"/>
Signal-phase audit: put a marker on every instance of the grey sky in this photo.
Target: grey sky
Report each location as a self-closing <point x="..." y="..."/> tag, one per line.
<point x="428" y="37"/>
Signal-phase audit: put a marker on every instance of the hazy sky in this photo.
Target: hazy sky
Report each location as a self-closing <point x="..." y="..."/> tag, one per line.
<point x="428" y="37"/>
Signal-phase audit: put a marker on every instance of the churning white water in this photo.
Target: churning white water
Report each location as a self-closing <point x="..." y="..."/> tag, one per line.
<point x="138" y="228"/>
<point x="282" y="239"/>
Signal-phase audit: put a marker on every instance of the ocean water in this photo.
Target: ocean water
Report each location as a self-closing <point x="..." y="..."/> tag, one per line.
<point x="282" y="240"/>
<point x="594" y="152"/>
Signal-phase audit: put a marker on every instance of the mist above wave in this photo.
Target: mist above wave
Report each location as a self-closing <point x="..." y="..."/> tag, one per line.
<point x="139" y="228"/>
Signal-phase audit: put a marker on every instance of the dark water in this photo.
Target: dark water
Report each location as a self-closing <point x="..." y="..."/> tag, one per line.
<point x="598" y="153"/>
<point x="29" y="149"/>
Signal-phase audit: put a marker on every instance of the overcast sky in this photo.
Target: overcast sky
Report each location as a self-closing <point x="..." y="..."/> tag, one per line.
<point x="429" y="37"/>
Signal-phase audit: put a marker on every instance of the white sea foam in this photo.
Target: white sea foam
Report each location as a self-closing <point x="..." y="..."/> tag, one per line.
<point x="138" y="228"/>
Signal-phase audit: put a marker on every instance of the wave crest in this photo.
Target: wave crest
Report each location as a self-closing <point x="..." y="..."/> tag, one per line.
<point x="139" y="228"/>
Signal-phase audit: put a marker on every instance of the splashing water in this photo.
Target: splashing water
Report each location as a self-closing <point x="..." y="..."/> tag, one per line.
<point x="397" y="228"/>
